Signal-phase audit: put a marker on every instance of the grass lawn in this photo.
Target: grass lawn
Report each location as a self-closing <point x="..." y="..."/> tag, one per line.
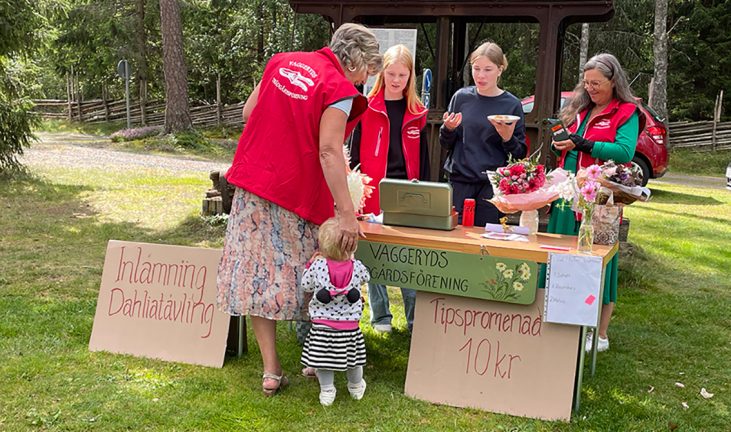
<point x="699" y="163"/>
<point x="672" y="324"/>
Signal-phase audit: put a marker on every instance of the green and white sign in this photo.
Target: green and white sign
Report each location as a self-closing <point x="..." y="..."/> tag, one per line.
<point x="452" y="273"/>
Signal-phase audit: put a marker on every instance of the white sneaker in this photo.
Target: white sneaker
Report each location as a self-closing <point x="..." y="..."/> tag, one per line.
<point x="382" y="328"/>
<point x="327" y="396"/>
<point x="602" y="343"/>
<point x="357" y="390"/>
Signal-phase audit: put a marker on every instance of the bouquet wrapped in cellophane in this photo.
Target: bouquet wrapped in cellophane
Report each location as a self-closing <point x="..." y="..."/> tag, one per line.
<point x="523" y="185"/>
<point x="621" y="184"/>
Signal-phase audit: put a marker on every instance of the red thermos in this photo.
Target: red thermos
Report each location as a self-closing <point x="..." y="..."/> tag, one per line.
<point x="468" y="212"/>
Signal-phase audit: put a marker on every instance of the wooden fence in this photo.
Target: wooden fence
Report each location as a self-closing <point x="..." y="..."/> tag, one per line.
<point x="697" y="135"/>
<point x="701" y="135"/>
<point x="98" y="110"/>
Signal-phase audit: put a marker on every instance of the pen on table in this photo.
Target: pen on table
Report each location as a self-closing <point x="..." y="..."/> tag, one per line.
<point x="559" y="248"/>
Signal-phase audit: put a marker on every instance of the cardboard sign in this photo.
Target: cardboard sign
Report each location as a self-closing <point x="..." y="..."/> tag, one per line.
<point x="573" y="285"/>
<point x="493" y="356"/>
<point x="452" y="273"/>
<point x="159" y="301"/>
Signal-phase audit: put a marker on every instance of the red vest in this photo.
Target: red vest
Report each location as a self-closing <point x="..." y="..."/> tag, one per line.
<point x="278" y="156"/>
<point x="374" y="142"/>
<point x="601" y="128"/>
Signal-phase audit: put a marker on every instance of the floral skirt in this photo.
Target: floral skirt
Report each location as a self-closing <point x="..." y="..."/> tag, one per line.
<point x="264" y="255"/>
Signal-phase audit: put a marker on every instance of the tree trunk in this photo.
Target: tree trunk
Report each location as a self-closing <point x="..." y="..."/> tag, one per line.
<point x="659" y="99"/>
<point x="177" y="111"/>
<point x="260" y="37"/>
<point x="583" y="49"/>
<point x="142" y="67"/>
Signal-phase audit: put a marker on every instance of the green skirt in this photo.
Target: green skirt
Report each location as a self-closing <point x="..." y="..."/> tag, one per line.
<point x="563" y="221"/>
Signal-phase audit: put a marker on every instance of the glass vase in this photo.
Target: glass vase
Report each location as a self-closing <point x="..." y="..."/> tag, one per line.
<point x="585" y="237"/>
<point x="529" y="219"/>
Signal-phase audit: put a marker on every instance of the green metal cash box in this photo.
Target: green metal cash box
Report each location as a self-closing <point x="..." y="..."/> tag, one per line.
<point x="417" y="204"/>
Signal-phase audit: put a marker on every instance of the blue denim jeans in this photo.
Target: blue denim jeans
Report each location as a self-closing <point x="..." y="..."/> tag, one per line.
<point x="380" y="308"/>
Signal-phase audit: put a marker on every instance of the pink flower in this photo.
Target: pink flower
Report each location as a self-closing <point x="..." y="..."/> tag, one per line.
<point x="593" y="172"/>
<point x="589" y="190"/>
<point x="517" y="169"/>
<point x="504" y="185"/>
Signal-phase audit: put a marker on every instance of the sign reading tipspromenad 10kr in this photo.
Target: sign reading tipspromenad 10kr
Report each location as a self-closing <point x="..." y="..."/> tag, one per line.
<point x="452" y="273"/>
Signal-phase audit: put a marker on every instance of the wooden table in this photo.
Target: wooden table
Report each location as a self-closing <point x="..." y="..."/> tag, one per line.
<point x="511" y="362"/>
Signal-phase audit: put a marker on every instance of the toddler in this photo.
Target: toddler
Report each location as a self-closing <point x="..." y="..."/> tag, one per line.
<point x="335" y="342"/>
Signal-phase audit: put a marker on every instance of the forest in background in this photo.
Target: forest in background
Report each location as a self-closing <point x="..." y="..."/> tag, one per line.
<point x="50" y="49"/>
<point x="233" y="39"/>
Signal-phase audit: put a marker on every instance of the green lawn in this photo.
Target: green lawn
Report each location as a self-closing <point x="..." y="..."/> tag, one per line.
<point x="708" y="163"/>
<point x="672" y="324"/>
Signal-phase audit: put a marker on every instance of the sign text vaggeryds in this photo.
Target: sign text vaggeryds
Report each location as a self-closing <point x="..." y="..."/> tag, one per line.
<point x="452" y="273"/>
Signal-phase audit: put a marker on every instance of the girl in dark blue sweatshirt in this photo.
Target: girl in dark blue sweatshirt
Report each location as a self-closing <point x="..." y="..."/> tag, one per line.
<point x="476" y="144"/>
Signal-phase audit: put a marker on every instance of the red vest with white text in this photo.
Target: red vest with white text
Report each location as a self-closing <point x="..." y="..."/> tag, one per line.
<point x="277" y="157"/>
<point x="374" y="142"/>
<point x="602" y="128"/>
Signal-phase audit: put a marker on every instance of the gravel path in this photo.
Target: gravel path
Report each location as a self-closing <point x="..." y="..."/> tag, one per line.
<point x="75" y="150"/>
<point x="691" y="180"/>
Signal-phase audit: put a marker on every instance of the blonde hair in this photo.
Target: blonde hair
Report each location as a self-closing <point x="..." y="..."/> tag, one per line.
<point x="357" y="48"/>
<point x="492" y="52"/>
<point x="329" y="241"/>
<point x="400" y="54"/>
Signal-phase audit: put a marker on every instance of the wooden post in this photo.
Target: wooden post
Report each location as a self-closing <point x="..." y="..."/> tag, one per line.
<point x="68" y="95"/>
<point x="78" y="99"/>
<point x="143" y="101"/>
<point x="104" y="101"/>
<point x="218" y="99"/>
<point x="716" y="119"/>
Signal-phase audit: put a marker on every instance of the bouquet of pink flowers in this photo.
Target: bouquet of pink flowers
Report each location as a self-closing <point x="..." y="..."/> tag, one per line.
<point x="523" y="176"/>
<point x="523" y="185"/>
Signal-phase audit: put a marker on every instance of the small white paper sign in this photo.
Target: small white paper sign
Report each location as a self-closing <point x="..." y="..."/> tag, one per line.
<point x="573" y="289"/>
<point x="388" y="38"/>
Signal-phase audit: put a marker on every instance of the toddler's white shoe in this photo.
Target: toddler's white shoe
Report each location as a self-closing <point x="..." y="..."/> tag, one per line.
<point x="357" y="390"/>
<point x="327" y="396"/>
<point x="382" y="328"/>
<point x="601" y="346"/>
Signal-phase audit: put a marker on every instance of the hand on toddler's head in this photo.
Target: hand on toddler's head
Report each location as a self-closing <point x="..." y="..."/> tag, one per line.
<point x="312" y="259"/>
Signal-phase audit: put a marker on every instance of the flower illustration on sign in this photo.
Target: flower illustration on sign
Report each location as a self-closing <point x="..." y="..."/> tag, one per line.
<point x="507" y="285"/>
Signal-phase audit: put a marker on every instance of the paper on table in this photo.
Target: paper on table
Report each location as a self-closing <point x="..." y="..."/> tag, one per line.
<point x="498" y="228"/>
<point x="372" y="218"/>
<point x="505" y="236"/>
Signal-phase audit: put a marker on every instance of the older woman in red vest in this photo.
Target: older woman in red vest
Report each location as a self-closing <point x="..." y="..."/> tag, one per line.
<point x="290" y="174"/>
<point x="604" y="122"/>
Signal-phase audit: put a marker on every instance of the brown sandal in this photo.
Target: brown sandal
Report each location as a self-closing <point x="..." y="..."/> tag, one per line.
<point x="281" y="380"/>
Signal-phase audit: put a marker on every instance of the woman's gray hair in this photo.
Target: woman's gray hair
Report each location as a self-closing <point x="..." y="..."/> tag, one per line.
<point x="609" y="67"/>
<point x="357" y="48"/>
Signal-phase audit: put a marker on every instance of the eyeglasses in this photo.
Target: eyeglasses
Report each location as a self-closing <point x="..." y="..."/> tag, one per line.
<point x="593" y="84"/>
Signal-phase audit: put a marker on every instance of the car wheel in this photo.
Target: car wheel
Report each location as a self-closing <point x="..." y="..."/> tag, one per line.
<point x="644" y="169"/>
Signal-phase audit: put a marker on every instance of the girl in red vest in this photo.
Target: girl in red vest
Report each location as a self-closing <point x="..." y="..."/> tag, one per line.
<point x="290" y="174"/>
<point x="391" y="142"/>
<point x="604" y="122"/>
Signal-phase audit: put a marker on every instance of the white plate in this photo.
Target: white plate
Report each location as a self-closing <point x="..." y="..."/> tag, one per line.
<point x="504" y="118"/>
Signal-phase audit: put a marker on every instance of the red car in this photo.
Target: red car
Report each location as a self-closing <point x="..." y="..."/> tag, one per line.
<point x="651" y="155"/>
